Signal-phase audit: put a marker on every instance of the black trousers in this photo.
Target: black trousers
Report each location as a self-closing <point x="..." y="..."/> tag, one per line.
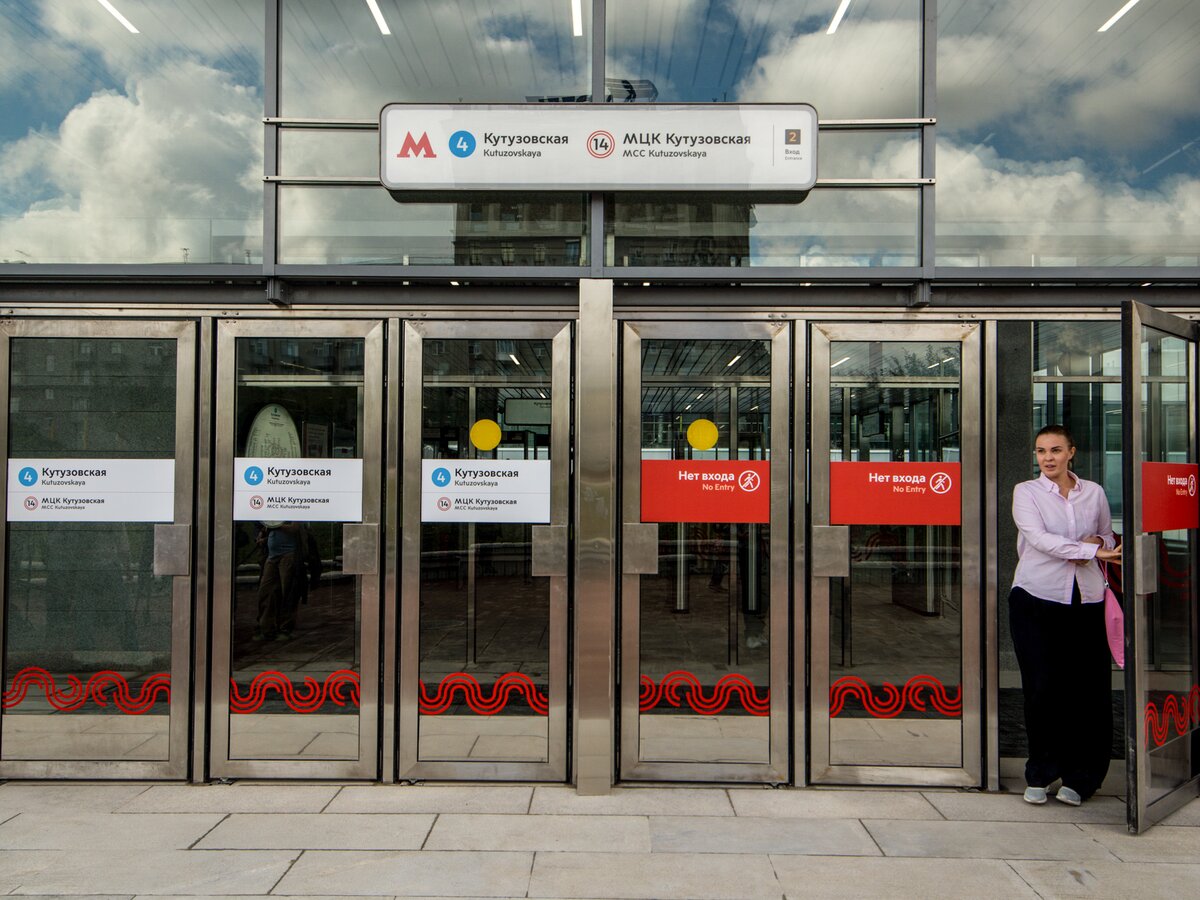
<point x="1066" y="675"/>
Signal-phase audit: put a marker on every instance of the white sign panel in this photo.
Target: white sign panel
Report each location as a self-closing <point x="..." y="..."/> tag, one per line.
<point x="526" y="411"/>
<point x="91" y="490"/>
<point x="297" y="490"/>
<point x="768" y="147"/>
<point x="485" y="490"/>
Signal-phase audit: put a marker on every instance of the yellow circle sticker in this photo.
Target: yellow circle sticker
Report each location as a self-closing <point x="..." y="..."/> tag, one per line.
<point x="485" y="434"/>
<point x="702" y="434"/>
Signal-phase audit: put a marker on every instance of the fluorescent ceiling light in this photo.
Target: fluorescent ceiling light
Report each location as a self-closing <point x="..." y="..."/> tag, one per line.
<point x="577" y="18"/>
<point x="841" y="12"/>
<point x="732" y="361"/>
<point x="1107" y="25"/>
<point x="120" y="18"/>
<point x="516" y="362"/>
<point x="840" y="361"/>
<point x="375" y="11"/>
<point x="933" y="366"/>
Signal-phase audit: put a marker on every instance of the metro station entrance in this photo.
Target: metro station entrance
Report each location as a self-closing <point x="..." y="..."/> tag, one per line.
<point x="704" y="550"/>
<point x="484" y="559"/>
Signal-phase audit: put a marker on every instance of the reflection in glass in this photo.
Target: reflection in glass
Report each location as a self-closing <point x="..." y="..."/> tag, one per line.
<point x="764" y="51"/>
<point x="1073" y="184"/>
<point x="82" y="599"/>
<point x="896" y="622"/>
<point x="335" y="225"/>
<point x="484" y="618"/>
<point x="1171" y="670"/>
<point x="705" y="615"/>
<point x="337" y="63"/>
<point x="830" y="228"/>
<point x="131" y="148"/>
<point x="295" y="654"/>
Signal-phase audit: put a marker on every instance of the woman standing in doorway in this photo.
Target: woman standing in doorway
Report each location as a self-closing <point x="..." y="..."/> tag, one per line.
<point x="1057" y="613"/>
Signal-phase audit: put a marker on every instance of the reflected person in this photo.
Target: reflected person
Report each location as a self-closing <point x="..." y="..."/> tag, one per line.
<point x="282" y="574"/>
<point x="1056" y="609"/>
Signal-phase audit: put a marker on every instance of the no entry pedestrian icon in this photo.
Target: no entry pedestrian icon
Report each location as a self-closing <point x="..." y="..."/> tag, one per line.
<point x="940" y="483"/>
<point x="749" y="481"/>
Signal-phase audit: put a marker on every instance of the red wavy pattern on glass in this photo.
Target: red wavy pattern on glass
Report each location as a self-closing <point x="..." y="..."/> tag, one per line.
<point x="726" y="688"/>
<point x="102" y="688"/>
<point x="1178" y="710"/>
<point x="894" y="700"/>
<point x="339" y="688"/>
<point x="502" y="690"/>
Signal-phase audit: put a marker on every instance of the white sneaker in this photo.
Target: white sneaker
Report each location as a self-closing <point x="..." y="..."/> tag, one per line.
<point x="1068" y="796"/>
<point x="1035" y="795"/>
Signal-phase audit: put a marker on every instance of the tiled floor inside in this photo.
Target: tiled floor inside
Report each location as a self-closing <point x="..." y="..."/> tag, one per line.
<point x="331" y="840"/>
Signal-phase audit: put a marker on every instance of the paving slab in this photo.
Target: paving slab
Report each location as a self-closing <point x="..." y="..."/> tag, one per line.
<point x="1189" y="816"/>
<point x="831" y="804"/>
<point x="104" y="831"/>
<point x="154" y="872"/>
<point x="19" y="796"/>
<point x="440" y="873"/>
<point x="1101" y="880"/>
<point x="724" y="834"/>
<point x="629" y="834"/>
<point x="390" y="798"/>
<point x="661" y="876"/>
<point x="1161" y="844"/>
<point x="838" y="878"/>
<point x="232" y="798"/>
<point x="1013" y="808"/>
<point x="325" y="831"/>
<point x="556" y="800"/>
<point x="985" y="840"/>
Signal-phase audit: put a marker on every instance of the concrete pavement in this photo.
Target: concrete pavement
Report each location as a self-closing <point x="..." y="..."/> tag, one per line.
<point x="124" y="840"/>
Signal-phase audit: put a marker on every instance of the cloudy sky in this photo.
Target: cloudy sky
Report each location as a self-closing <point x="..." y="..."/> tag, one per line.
<point x="1056" y="143"/>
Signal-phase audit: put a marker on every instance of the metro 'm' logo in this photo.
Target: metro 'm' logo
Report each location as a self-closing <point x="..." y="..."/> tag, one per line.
<point x="412" y="147"/>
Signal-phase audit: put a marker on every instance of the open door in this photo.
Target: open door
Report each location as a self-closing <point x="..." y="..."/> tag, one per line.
<point x="1162" y="683"/>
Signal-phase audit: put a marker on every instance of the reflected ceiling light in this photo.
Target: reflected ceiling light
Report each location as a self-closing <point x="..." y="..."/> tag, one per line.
<point x="948" y="359"/>
<point x="933" y="365"/>
<point x="376" y="12"/>
<point x="1120" y="12"/>
<point x="732" y="361"/>
<point x="841" y="12"/>
<point x="540" y="394"/>
<point x="840" y="361"/>
<point x="577" y="18"/>
<point x="1148" y="283"/>
<point x="686" y="408"/>
<point x="516" y="362"/>
<point x="120" y="18"/>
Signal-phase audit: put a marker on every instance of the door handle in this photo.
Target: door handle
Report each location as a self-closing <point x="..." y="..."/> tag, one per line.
<point x="360" y="549"/>
<point x="1147" y="564"/>
<point x="830" y="549"/>
<point x="549" y="550"/>
<point x="172" y="549"/>
<point x="639" y="548"/>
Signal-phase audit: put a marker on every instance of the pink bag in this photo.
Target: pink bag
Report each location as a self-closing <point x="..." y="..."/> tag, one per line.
<point x="1114" y="621"/>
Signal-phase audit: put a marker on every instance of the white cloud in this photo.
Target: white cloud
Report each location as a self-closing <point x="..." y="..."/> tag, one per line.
<point x="173" y="163"/>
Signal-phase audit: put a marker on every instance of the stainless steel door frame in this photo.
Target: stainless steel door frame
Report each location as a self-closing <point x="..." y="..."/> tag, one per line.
<point x="631" y="766"/>
<point x="1138" y="560"/>
<point x="367" y="764"/>
<point x="822" y="771"/>
<point x="184" y="333"/>
<point x="410" y="765"/>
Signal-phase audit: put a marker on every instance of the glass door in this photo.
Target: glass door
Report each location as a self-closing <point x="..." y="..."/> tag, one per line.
<point x="704" y="550"/>
<point x="895" y="555"/>
<point x="97" y="547"/>
<point x="296" y="557"/>
<point x="483" y="603"/>
<point x="1162" y="662"/>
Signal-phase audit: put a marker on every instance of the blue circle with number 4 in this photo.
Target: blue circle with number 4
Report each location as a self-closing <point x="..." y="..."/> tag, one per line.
<point x="462" y="143"/>
<point x="253" y="475"/>
<point x="441" y="477"/>
<point x="28" y="476"/>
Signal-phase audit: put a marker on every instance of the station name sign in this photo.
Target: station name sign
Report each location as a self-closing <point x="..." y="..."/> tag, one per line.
<point x="91" y="490"/>
<point x="293" y="489"/>
<point x="611" y="147"/>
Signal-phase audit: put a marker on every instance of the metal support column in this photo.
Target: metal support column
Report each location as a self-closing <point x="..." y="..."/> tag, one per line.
<point x="595" y="530"/>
